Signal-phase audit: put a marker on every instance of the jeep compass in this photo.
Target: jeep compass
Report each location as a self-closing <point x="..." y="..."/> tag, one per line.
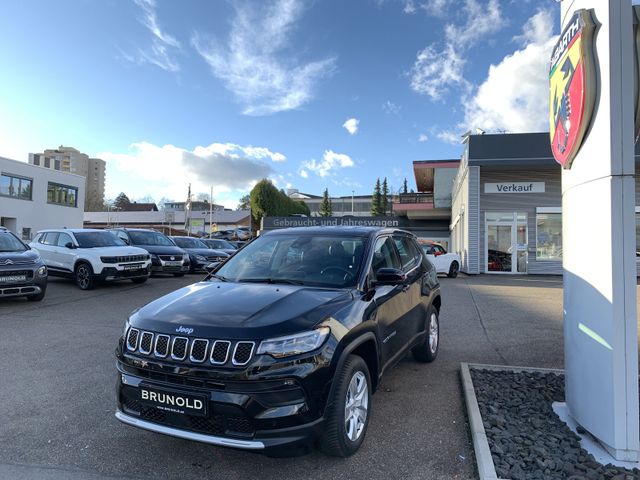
<point x="284" y="343"/>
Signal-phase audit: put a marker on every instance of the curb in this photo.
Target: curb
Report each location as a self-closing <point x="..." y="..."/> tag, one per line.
<point x="484" y="460"/>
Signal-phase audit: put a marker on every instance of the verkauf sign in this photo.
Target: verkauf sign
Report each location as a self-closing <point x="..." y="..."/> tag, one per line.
<point x="514" y="187"/>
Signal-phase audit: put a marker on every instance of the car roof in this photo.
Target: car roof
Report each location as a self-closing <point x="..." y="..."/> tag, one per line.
<point x="72" y="230"/>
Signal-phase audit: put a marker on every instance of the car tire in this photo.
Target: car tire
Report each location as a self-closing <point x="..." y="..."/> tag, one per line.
<point x="83" y="276"/>
<point x="344" y="428"/>
<point x="139" y="280"/>
<point x="454" y="268"/>
<point x="178" y="274"/>
<point x="427" y="351"/>
<point x="37" y="297"/>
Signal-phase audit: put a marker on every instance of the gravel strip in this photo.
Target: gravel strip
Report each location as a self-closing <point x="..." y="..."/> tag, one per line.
<point x="526" y="438"/>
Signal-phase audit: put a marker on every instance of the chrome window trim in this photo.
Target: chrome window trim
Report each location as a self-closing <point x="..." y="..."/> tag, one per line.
<point x="146" y="352"/>
<point x="186" y="348"/>
<point x="155" y="345"/>
<point x="235" y="349"/>
<point x="137" y="339"/>
<point x="226" y="357"/>
<point x="206" y="348"/>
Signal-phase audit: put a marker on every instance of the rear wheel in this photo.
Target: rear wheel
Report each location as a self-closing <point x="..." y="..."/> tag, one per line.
<point x="347" y="417"/>
<point x="454" y="268"/>
<point x="84" y="276"/>
<point x="427" y="351"/>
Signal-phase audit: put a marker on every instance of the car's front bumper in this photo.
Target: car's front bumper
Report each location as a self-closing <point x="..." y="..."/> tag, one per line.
<point x="113" y="273"/>
<point x="33" y="285"/>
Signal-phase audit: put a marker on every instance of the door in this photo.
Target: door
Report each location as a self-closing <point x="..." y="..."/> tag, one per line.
<point x="506" y="242"/>
<point x="47" y="244"/>
<point x="62" y="257"/>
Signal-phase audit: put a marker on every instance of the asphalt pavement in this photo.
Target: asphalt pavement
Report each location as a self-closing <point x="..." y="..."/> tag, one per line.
<point x="57" y="378"/>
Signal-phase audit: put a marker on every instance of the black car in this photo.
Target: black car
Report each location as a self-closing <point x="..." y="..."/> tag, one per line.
<point x="166" y="257"/>
<point x="220" y="244"/>
<point x="284" y="343"/>
<point x="22" y="271"/>
<point x="200" y="255"/>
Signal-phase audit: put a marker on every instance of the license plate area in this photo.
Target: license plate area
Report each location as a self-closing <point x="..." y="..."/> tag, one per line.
<point x="174" y="401"/>
<point x="13" y="278"/>
<point x="173" y="264"/>
<point x="137" y="266"/>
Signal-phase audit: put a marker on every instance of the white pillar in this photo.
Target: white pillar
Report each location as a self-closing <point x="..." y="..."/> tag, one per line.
<point x="598" y="207"/>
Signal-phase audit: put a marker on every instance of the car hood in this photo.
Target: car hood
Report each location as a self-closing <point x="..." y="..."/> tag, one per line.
<point x="228" y="310"/>
<point x="16" y="258"/>
<point x="162" y="250"/>
<point x="118" y="251"/>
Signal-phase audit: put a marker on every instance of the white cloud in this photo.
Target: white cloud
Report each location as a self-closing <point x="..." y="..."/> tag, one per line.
<point x="163" y="45"/>
<point x="435" y="71"/>
<point x="351" y="125"/>
<point x="423" y="137"/>
<point x="236" y="151"/>
<point x="166" y="171"/>
<point x="514" y="96"/>
<point x="304" y="174"/>
<point x="330" y="161"/>
<point x="258" y="64"/>
<point x="391" y="108"/>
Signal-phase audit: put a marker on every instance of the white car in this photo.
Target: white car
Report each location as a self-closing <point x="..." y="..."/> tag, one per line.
<point x="90" y="255"/>
<point x="444" y="262"/>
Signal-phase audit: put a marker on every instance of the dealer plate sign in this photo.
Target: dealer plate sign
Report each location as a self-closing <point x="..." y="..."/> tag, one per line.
<point x="514" y="187"/>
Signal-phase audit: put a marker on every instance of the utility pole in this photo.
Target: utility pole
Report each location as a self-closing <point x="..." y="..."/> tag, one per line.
<point x="210" y="210"/>
<point x="352" y="193"/>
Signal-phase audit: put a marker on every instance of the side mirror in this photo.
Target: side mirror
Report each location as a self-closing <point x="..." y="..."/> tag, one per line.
<point x="390" y="276"/>
<point x="70" y="245"/>
<point x="211" y="267"/>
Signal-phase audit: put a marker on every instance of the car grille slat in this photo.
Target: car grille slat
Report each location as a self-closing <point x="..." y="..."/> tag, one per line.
<point x="132" y="339"/>
<point x="220" y="352"/>
<point x="199" y="350"/>
<point x="146" y="343"/>
<point x="179" y="348"/>
<point x="242" y="353"/>
<point x="162" y="346"/>
<point x="125" y="258"/>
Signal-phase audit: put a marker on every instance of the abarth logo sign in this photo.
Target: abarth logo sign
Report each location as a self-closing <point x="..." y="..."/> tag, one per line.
<point x="572" y="87"/>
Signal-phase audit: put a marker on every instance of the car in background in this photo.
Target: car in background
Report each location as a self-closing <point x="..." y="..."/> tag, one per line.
<point x="199" y="254"/>
<point x="220" y="244"/>
<point x="22" y="271"/>
<point x="284" y="343"/>
<point x="241" y="233"/>
<point x="166" y="257"/>
<point x="89" y="256"/>
<point x="444" y="262"/>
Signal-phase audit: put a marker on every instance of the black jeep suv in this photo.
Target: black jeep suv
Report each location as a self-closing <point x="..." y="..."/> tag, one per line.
<point x="282" y="344"/>
<point x="22" y="271"/>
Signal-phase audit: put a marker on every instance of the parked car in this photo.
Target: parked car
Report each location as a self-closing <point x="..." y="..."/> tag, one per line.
<point x="220" y="244"/>
<point x="200" y="255"/>
<point x="166" y="257"/>
<point x="22" y="271"/>
<point x="241" y="233"/>
<point x="88" y="256"/>
<point x="444" y="262"/>
<point x="224" y="234"/>
<point x="282" y="344"/>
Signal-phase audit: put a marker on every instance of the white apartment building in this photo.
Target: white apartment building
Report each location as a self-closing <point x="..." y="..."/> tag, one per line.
<point x="34" y="198"/>
<point x="68" y="159"/>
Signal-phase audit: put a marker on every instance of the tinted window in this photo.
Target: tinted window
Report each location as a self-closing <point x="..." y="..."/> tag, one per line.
<point x="384" y="255"/>
<point x="10" y="243"/>
<point x="149" y="238"/>
<point x="63" y="239"/>
<point x="98" y="239"/>
<point x="410" y="257"/>
<point x="186" y="242"/>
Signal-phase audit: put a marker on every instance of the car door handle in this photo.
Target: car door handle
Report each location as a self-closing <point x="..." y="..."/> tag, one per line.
<point x="406" y="287"/>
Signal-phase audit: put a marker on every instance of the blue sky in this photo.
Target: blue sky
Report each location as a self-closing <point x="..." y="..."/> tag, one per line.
<point x="312" y="94"/>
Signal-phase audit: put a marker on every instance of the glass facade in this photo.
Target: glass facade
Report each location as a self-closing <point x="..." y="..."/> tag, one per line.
<point x="62" y="195"/>
<point x="16" y="187"/>
<point x="549" y="236"/>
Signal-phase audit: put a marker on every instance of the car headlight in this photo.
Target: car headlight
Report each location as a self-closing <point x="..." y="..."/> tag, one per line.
<point x="294" y="344"/>
<point x="200" y="258"/>
<point x="42" y="271"/>
<point x="185" y="257"/>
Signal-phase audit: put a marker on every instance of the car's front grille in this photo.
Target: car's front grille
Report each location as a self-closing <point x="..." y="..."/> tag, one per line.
<point x="28" y="274"/>
<point x="170" y="258"/>
<point x="197" y="350"/>
<point x="125" y="259"/>
<point x="216" y="258"/>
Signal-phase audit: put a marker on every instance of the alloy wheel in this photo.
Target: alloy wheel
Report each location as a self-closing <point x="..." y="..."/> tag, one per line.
<point x="83" y="276"/>
<point x="356" y="406"/>
<point x="433" y="333"/>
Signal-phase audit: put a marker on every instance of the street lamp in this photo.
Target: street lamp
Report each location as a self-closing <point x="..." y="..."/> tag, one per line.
<point x="352" y="193"/>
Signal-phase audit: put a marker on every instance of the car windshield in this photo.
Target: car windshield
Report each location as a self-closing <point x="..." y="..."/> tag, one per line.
<point x="9" y="243"/>
<point x="97" y="239"/>
<point x="219" y="244"/>
<point x="150" y="238"/>
<point x="322" y="260"/>
<point x="186" y="242"/>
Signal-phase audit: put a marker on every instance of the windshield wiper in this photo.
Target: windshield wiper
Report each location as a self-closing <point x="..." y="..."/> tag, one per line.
<point x="219" y="277"/>
<point x="272" y="280"/>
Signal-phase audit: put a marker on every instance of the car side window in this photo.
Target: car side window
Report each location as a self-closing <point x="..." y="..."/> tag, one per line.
<point x="384" y="256"/>
<point x="409" y="256"/>
<point x="50" y="238"/>
<point x="439" y="249"/>
<point x="63" y="239"/>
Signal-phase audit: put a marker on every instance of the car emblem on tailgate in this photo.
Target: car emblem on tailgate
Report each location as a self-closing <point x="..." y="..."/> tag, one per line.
<point x="182" y="329"/>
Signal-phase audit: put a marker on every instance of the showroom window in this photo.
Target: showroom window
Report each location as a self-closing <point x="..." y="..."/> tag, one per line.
<point x="16" y="187"/>
<point x="62" y="194"/>
<point x="549" y="236"/>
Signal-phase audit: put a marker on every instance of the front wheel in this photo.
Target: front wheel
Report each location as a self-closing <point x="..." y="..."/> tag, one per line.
<point x="84" y="276"/>
<point x="453" y="269"/>
<point x="427" y="351"/>
<point x="348" y="415"/>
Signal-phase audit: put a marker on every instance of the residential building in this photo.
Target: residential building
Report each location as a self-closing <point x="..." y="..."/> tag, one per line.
<point x="68" y="159"/>
<point x="196" y="205"/>
<point x="34" y="198"/>
<point x="139" y="207"/>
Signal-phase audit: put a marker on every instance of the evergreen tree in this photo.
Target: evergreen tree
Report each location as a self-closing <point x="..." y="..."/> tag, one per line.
<point x="267" y="201"/>
<point x="385" y="197"/>
<point x="404" y="186"/>
<point x="326" y="209"/>
<point x="121" y="201"/>
<point x="376" y="201"/>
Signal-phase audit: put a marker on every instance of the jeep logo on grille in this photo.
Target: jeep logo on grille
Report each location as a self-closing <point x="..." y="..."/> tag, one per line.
<point x="186" y="330"/>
